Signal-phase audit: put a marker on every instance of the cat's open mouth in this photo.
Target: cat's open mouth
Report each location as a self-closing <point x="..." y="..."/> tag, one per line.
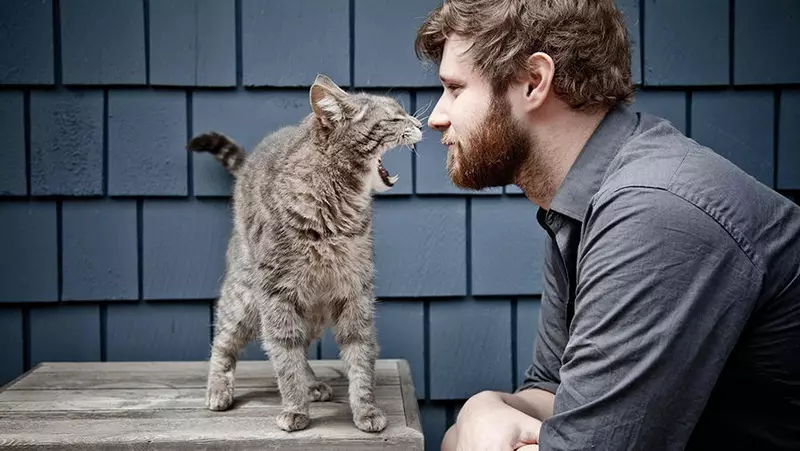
<point x="389" y="180"/>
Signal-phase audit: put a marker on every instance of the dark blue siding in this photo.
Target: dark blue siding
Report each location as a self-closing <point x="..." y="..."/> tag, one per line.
<point x="65" y="333"/>
<point x="289" y="43"/>
<point x="766" y="54"/>
<point x="99" y="252"/>
<point x="147" y="143"/>
<point x="26" y="42"/>
<point x="469" y="343"/>
<point x="29" y="257"/>
<point x="158" y="331"/>
<point x="184" y="246"/>
<point x="420" y="247"/>
<point x="686" y="42"/>
<point x="12" y="144"/>
<point x="11" y="359"/>
<point x="789" y="141"/>
<point x="506" y="230"/>
<point x="384" y="43"/>
<point x="527" y="327"/>
<point x="738" y="126"/>
<point x="193" y="44"/>
<point x="67" y="142"/>
<point x="103" y="42"/>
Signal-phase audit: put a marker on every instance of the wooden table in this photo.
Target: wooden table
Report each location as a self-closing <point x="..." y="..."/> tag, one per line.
<point x="160" y="405"/>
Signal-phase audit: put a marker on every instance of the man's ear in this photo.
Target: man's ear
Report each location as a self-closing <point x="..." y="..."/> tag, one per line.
<point x="328" y="101"/>
<point x="537" y="80"/>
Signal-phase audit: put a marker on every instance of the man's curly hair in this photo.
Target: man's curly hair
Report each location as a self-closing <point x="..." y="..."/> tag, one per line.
<point x="586" y="39"/>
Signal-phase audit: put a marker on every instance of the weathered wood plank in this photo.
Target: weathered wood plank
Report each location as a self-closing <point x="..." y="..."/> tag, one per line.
<point x="202" y="433"/>
<point x="160" y="405"/>
<point x="161" y="399"/>
<point x="249" y="378"/>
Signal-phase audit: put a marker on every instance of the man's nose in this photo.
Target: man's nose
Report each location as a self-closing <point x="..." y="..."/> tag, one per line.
<point x="438" y="119"/>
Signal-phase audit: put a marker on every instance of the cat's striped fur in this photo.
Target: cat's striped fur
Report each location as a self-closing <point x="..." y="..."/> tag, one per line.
<point x="300" y="257"/>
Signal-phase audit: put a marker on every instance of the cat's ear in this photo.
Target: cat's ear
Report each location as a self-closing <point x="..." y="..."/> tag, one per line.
<point x="325" y="81"/>
<point x="328" y="101"/>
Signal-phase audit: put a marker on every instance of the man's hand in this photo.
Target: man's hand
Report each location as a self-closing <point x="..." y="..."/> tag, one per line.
<point x="487" y="422"/>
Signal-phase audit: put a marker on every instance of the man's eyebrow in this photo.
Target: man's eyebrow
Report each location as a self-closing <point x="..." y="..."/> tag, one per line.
<point x="446" y="79"/>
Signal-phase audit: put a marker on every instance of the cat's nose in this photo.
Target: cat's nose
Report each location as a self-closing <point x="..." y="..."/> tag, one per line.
<point x="417" y="123"/>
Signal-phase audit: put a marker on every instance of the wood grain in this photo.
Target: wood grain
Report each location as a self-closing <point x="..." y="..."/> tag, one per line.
<point x="160" y="405"/>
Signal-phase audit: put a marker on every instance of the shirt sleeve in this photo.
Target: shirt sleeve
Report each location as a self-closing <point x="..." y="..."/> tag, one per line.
<point x="663" y="294"/>
<point x="551" y="335"/>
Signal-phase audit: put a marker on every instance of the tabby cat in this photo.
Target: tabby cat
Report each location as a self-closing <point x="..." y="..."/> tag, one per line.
<point x="300" y="257"/>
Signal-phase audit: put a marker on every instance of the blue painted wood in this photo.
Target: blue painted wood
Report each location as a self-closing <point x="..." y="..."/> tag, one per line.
<point x="384" y="43"/>
<point x="630" y="9"/>
<point x="67" y="143"/>
<point x="470" y="348"/>
<point x="400" y="326"/>
<point x="513" y="189"/>
<point x="26" y="42"/>
<point x="432" y="175"/>
<point x="401" y="335"/>
<point x="28" y="261"/>
<point x="527" y="328"/>
<point x="12" y="144"/>
<point x="65" y="333"/>
<point x="147" y="143"/>
<point x="11" y="359"/>
<point x="184" y="243"/>
<point x="245" y="116"/>
<point x="670" y="105"/>
<point x="738" y="126"/>
<point x="398" y="160"/>
<point x="193" y="44"/>
<point x="103" y="42"/>
<point x="686" y="42"/>
<point x="99" y="260"/>
<point x="434" y="424"/>
<point x="507" y="263"/>
<point x="765" y="41"/>
<point x="789" y="141"/>
<point x="158" y="331"/>
<point x="289" y="43"/>
<point x="420" y="247"/>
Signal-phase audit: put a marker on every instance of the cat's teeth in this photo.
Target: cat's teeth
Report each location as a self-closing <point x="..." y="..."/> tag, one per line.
<point x="393" y="179"/>
<point x="411" y="146"/>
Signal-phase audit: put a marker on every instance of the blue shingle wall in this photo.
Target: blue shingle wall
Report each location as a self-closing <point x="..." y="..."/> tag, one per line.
<point x="112" y="237"/>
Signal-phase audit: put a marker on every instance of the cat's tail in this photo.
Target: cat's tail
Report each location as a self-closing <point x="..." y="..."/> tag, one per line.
<point x="224" y="149"/>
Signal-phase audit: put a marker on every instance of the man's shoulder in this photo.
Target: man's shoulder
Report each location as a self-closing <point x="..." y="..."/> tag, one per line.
<point x="671" y="173"/>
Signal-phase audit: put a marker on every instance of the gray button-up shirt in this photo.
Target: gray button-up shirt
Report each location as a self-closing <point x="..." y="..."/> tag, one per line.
<point x="670" y="313"/>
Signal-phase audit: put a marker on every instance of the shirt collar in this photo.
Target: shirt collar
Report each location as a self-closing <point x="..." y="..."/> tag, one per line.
<point x="585" y="176"/>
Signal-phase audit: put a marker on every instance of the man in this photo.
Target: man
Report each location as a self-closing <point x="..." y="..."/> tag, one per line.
<point x="670" y="314"/>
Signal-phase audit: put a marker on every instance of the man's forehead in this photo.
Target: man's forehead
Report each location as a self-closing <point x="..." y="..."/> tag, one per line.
<point x="456" y="63"/>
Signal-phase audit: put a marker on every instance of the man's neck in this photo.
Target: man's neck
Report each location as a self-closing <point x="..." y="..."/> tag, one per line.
<point x="559" y="135"/>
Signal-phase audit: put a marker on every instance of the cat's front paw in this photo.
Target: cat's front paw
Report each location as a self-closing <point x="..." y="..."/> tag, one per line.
<point x="292" y="421"/>
<point x="219" y="394"/>
<point x="370" y="419"/>
<point x="320" y="391"/>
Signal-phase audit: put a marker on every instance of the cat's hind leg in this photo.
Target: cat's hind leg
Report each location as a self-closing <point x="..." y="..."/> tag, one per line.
<point x="236" y="324"/>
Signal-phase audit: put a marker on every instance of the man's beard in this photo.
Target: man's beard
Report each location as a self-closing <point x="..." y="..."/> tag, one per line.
<point x="493" y="152"/>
